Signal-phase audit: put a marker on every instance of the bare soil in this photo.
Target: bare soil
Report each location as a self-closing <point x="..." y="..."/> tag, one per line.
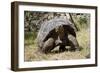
<point x="33" y="54"/>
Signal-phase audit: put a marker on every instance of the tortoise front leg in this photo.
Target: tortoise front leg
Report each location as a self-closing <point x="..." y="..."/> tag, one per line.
<point x="73" y="43"/>
<point x="48" y="45"/>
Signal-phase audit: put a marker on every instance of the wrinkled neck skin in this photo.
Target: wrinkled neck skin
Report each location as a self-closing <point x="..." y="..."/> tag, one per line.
<point x="61" y="38"/>
<point x="60" y="32"/>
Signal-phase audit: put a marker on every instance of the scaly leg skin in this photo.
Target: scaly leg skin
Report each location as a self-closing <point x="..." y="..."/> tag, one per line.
<point x="48" y="46"/>
<point x="73" y="43"/>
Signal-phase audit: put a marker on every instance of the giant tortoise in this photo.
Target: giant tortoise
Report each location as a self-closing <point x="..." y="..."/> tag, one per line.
<point x="57" y="32"/>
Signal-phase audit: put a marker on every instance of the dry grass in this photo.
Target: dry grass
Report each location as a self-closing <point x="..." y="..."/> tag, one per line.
<point x="32" y="53"/>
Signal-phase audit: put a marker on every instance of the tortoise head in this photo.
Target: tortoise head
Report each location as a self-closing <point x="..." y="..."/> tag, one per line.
<point x="60" y="31"/>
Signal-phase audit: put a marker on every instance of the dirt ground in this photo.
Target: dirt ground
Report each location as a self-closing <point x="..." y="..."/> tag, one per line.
<point x="35" y="55"/>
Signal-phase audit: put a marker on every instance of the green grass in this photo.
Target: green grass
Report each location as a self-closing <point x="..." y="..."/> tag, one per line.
<point x="30" y="38"/>
<point x="83" y="38"/>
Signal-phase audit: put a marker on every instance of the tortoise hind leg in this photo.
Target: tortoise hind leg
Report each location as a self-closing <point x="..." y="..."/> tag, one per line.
<point x="48" y="45"/>
<point x="62" y="48"/>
